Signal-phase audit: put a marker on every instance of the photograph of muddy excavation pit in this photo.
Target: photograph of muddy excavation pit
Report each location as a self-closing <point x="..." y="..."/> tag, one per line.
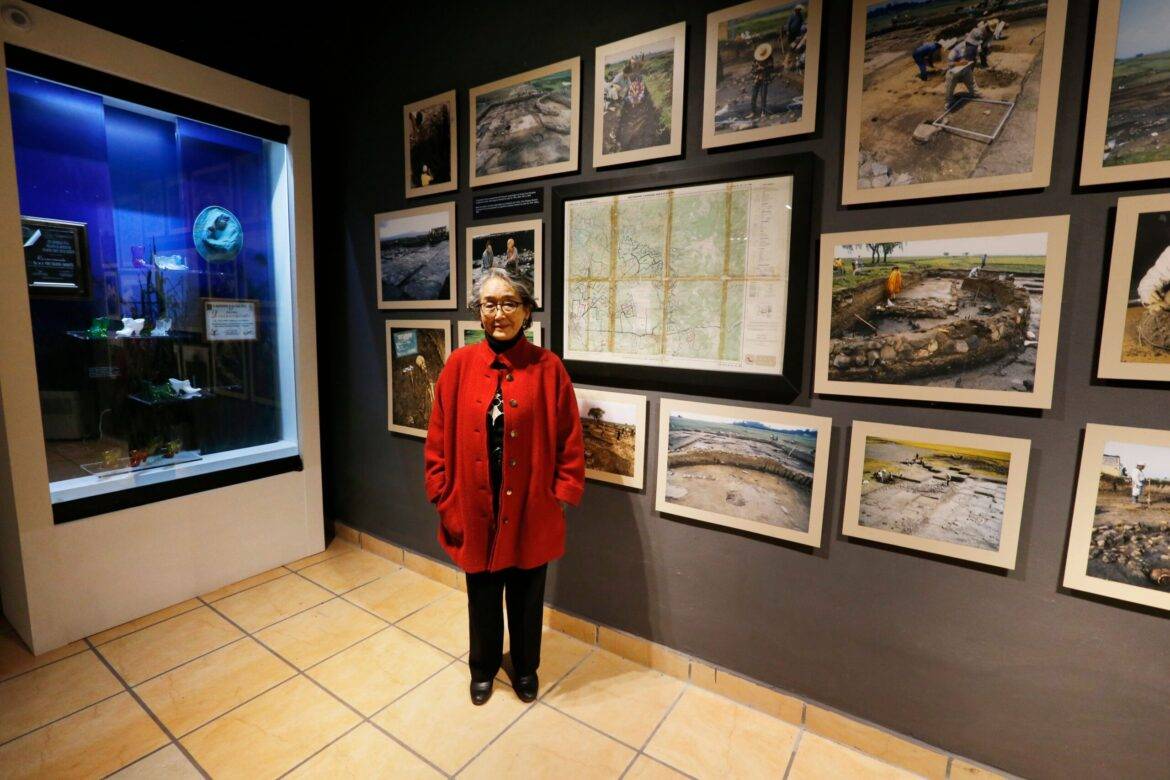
<point x="1130" y="540"/>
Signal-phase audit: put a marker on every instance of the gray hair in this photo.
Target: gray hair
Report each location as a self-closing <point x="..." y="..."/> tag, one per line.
<point x="519" y="287"/>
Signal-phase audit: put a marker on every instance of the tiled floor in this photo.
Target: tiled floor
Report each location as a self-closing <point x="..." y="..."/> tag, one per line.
<point x="347" y="665"/>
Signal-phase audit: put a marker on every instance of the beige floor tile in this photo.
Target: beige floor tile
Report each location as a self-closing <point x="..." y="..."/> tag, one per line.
<point x="337" y="547"/>
<point x="242" y="585"/>
<point x="646" y="768"/>
<point x="438" y="720"/>
<point x="16" y="659"/>
<point x="363" y="753"/>
<point x="265" y="604"/>
<point x="396" y="595"/>
<point x="619" y="697"/>
<point x="317" y="633"/>
<point x="708" y="736"/>
<point x="197" y="692"/>
<point x="162" y="647"/>
<point x="545" y="743"/>
<point x="559" y="653"/>
<point x="166" y="764"/>
<point x="644" y="652"/>
<point x="439" y="572"/>
<point x="382" y="549"/>
<point x="374" y="672"/>
<point x="820" y="759"/>
<point x="346" y="572"/>
<point x="443" y="623"/>
<point x="146" y="620"/>
<point x="92" y="743"/>
<point x="272" y="733"/>
<point x="755" y="695"/>
<point x="52" y="692"/>
<point x="883" y="745"/>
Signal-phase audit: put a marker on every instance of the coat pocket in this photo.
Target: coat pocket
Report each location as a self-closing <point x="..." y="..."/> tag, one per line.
<point x="450" y="520"/>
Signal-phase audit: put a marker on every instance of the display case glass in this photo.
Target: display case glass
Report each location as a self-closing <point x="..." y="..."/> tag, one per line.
<point x="158" y="252"/>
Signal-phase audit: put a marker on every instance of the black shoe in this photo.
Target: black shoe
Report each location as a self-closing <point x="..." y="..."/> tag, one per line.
<point x="526" y="687"/>
<point x="480" y="692"/>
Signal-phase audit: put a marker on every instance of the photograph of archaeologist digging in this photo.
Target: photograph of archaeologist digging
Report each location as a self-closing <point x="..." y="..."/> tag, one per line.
<point x="1130" y="539"/>
<point x="949" y="91"/>
<point x="1146" y="338"/>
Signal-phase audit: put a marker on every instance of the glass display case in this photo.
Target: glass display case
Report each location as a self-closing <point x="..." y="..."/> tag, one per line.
<point x="158" y="256"/>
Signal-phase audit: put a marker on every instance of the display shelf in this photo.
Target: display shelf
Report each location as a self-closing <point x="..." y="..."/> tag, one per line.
<point x="152" y="462"/>
<point x="141" y="399"/>
<point x="84" y="335"/>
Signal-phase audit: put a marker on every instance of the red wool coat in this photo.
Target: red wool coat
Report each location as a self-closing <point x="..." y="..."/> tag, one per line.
<point x="544" y="457"/>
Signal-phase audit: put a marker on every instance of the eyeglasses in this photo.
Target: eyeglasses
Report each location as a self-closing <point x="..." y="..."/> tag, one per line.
<point x="508" y="306"/>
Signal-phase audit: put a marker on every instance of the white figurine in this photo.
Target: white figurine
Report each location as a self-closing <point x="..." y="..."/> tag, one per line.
<point x="183" y="387"/>
<point x="162" y="327"/>
<point x="131" y="326"/>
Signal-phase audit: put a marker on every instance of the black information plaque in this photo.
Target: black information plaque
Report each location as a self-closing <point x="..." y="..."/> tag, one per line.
<point x="56" y="256"/>
<point x="505" y="203"/>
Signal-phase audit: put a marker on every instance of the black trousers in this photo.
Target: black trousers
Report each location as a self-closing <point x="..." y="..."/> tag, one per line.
<point x="523" y="589"/>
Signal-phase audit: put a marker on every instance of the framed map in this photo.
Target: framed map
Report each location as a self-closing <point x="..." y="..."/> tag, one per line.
<point x="692" y="278"/>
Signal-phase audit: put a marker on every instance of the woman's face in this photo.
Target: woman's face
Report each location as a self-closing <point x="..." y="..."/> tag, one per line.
<point x="497" y="323"/>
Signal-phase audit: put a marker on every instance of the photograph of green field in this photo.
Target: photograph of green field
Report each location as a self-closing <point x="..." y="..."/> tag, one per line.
<point x="1139" y="99"/>
<point x="638" y="97"/>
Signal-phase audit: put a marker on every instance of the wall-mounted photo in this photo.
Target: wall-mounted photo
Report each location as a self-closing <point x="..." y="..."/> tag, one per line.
<point x="760" y="76"/>
<point x="942" y="492"/>
<point x="1126" y="119"/>
<point x="471" y="333"/>
<point x="1119" y="544"/>
<point x="527" y="125"/>
<point x="963" y="314"/>
<point x="432" y="163"/>
<point x="947" y="99"/>
<point x="415" y="261"/>
<point x="517" y="247"/>
<point x="638" y="97"/>
<point x="757" y="470"/>
<point x="1135" y="335"/>
<point x="416" y="351"/>
<point x="614" y="427"/>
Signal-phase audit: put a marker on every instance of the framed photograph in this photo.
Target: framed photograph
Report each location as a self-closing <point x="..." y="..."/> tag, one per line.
<point x="526" y="126"/>
<point x="962" y="314"/>
<point x="515" y="246"/>
<point x="758" y="470"/>
<point x="638" y="97"/>
<point x="943" y="492"/>
<point x="432" y="163"/>
<point x="685" y="284"/>
<point x="1135" y="334"/>
<point x="614" y="427"/>
<point x="56" y="256"/>
<point x="229" y="369"/>
<point x="471" y="332"/>
<point x="942" y="103"/>
<point x="416" y="257"/>
<point x="416" y="351"/>
<point x="1126" y="120"/>
<point x="1119" y="545"/>
<point x="760" y="77"/>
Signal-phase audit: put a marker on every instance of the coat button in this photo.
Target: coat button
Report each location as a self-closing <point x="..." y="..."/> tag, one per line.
<point x="509" y="377"/>
<point x="508" y="492"/>
<point x="512" y="462"/>
<point x="505" y="521"/>
<point x="512" y="433"/>
<point x="513" y="403"/>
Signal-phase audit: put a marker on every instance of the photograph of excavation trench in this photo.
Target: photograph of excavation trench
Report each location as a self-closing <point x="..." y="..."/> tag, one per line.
<point x="945" y="313"/>
<point x="1130" y="540"/>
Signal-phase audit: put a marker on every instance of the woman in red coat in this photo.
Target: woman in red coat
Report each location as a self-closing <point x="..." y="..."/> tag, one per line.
<point x="504" y="454"/>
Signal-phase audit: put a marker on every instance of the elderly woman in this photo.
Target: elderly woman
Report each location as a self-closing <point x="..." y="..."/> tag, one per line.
<point x="504" y="454"/>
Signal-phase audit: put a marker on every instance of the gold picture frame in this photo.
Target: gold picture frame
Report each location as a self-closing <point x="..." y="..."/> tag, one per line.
<point x="411" y="380"/>
<point x="624" y="410"/>
<point x="474" y="232"/>
<point x="1099" y="465"/>
<point x="964" y="146"/>
<point x="481" y="175"/>
<point x="411" y="231"/>
<point x="913" y="387"/>
<point x="410" y="126"/>
<point x="978" y="482"/>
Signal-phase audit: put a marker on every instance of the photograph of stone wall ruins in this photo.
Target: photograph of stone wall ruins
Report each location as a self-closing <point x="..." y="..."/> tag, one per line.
<point x="523" y="126"/>
<point x="1131" y="525"/>
<point x="950" y="90"/>
<point x="741" y="468"/>
<point x="955" y="313"/>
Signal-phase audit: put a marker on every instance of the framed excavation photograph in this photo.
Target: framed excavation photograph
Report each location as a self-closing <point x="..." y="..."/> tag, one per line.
<point x="962" y="314"/>
<point x="416" y="257"/>
<point x="638" y="97"/>
<point x="1126" y="121"/>
<point x="526" y="126"/>
<point x="1135" y="334"/>
<point x="757" y="470"/>
<point x="432" y="164"/>
<point x="416" y="351"/>
<point x="1119" y="544"/>
<point x="517" y="247"/>
<point x="760" y="76"/>
<point x="614" y="427"/>
<point x="686" y="283"/>
<point x="942" y="492"/>
<point x="943" y="103"/>
<point x="471" y="332"/>
<point x="229" y="369"/>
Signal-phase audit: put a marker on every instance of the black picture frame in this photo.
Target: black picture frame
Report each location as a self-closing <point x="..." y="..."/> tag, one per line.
<point x="721" y="384"/>
<point x="49" y="246"/>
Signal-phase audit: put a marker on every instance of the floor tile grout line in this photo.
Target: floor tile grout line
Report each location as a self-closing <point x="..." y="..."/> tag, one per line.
<point x="378" y="712"/>
<point x="234" y="707"/>
<point x="321" y="749"/>
<point x="682" y="692"/>
<point x="528" y="707"/>
<point x="24" y="734"/>
<point x="792" y="756"/>
<point x="151" y="713"/>
<point x="43" y="666"/>
<point x="156" y="751"/>
<point x="205" y="600"/>
<point x="95" y="645"/>
<point x="97" y="650"/>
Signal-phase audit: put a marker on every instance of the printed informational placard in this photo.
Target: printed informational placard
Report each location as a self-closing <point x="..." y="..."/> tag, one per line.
<point x="503" y="204"/>
<point x="229" y="320"/>
<point x="55" y="255"/>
